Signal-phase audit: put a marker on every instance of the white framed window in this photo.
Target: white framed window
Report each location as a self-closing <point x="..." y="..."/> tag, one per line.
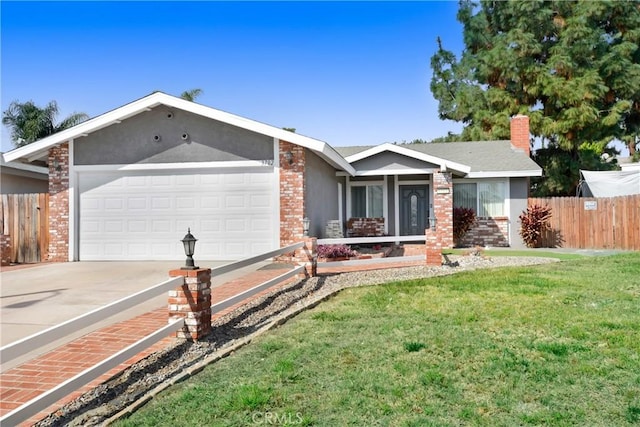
<point x="367" y="200"/>
<point x="486" y="198"/>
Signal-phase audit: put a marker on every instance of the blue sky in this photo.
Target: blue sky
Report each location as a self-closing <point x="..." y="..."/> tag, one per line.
<point x="348" y="73"/>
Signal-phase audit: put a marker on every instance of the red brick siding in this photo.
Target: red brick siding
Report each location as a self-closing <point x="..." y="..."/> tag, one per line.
<point x="292" y="191"/>
<point x="365" y="227"/>
<point x="488" y="232"/>
<point x="443" y="207"/>
<point x="59" y="203"/>
<point x="192" y="301"/>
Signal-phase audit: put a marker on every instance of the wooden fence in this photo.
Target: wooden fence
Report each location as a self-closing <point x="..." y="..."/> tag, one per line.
<point x="593" y="223"/>
<point x="25" y="219"/>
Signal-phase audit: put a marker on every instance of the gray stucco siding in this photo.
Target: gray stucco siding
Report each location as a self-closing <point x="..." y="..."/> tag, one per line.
<point x="321" y="193"/>
<point x="392" y="162"/>
<point x="132" y="141"/>
<point x="518" y="195"/>
<point x="16" y="184"/>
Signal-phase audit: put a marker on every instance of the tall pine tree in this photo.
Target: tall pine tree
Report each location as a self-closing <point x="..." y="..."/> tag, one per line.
<point x="572" y="66"/>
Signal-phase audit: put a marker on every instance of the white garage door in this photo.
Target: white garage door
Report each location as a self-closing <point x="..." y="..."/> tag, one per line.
<point x="143" y="215"/>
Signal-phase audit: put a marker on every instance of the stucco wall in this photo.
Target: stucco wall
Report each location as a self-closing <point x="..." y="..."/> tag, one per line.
<point x="14" y="184"/>
<point x="519" y="192"/>
<point x="132" y="141"/>
<point x="321" y="194"/>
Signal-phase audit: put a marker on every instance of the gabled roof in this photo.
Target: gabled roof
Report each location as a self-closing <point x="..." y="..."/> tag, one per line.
<point x="39" y="149"/>
<point x="476" y="159"/>
<point x="401" y="149"/>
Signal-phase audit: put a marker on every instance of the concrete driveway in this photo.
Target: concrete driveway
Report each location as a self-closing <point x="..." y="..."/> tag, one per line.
<point x="35" y="298"/>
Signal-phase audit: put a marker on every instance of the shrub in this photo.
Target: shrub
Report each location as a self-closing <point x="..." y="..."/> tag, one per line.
<point x="533" y="223"/>
<point x="463" y="220"/>
<point x="335" y="251"/>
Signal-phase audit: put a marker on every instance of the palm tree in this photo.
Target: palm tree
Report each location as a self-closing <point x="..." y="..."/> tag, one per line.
<point x="191" y="95"/>
<point x="29" y="123"/>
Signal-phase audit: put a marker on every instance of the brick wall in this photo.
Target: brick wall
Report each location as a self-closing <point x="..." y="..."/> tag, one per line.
<point x="443" y="207"/>
<point x="292" y="187"/>
<point x="488" y="232"/>
<point x="520" y="133"/>
<point x="59" y="203"/>
<point x="365" y="227"/>
<point x="5" y="249"/>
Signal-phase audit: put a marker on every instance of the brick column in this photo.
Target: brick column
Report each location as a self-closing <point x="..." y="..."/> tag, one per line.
<point x="59" y="203"/>
<point x="442" y="236"/>
<point x="292" y="186"/>
<point x="434" y="248"/>
<point x="308" y="256"/>
<point x="192" y="301"/>
<point x="443" y="207"/>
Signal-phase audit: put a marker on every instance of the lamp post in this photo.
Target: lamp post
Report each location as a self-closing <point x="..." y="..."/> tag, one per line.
<point x="305" y="226"/>
<point x="189" y="243"/>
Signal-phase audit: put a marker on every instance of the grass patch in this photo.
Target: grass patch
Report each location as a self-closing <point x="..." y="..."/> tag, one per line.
<point x="414" y="346"/>
<point x="555" y="344"/>
<point x="522" y="253"/>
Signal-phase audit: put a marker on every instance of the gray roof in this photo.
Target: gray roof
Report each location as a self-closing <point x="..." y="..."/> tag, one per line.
<point x="480" y="156"/>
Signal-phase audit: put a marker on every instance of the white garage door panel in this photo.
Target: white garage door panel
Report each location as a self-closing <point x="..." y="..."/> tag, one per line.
<point x="143" y="215"/>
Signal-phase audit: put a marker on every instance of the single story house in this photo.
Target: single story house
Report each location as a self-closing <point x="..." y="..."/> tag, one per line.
<point x="126" y="185"/>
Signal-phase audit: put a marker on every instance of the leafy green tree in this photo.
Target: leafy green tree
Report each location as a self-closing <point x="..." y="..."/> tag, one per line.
<point x="29" y="123"/>
<point x="191" y="95"/>
<point x="573" y="67"/>
<point x="562" y="168"/>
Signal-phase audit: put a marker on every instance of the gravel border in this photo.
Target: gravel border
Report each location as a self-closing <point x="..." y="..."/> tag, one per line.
<point x="127" y="391"/>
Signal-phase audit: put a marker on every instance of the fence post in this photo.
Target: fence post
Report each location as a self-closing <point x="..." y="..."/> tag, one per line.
<point x="308" y="256"/>
<point x="192" y="301"/>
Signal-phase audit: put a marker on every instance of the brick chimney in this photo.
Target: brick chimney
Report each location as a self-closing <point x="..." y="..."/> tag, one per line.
<point x="520" y="133"/>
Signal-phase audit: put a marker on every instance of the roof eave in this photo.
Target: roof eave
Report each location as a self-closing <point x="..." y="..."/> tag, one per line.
<point x="505" y="174"/>
<point x="39" y="148"/>
<point x="443" y="163"/>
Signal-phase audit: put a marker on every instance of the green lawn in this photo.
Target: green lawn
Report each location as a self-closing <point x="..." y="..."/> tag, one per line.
<point x="511" y="252"/>
<point x="556" y="344"/>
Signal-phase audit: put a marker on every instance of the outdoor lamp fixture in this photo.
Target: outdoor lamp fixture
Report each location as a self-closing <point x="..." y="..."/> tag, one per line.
<point x="305" y="226"/>
<point x="56" y="164"/>
<point x="288" y="156"/>
<point x="189" y="243"/>
<point x="432" y="222"/>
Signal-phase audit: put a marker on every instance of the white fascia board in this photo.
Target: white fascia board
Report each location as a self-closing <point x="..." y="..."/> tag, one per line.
<point x="387" y="172"/>
<point x="409" y="153"/>
<point x="37" y="149"/>
<point x="505" y="174"/>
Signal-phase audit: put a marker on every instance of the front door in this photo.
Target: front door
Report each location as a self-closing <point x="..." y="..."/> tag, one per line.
<point x="413" y="209"/>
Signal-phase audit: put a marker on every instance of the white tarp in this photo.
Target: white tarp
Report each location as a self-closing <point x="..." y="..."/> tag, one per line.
<point x="612" y="183"/>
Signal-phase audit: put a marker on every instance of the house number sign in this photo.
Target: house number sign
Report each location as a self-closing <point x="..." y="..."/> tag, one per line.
<point x="590" y="205"/>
